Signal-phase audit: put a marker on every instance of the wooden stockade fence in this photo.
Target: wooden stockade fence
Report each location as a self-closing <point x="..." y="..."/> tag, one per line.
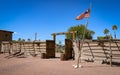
<point x="102" y="51"/>
<point x="28" y="48"/>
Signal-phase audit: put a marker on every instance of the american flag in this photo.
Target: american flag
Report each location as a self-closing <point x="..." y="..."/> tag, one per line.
<point x="86" y="14"/>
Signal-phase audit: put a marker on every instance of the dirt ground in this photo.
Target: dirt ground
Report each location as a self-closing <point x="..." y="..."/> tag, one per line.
<point x="38" y="66"/>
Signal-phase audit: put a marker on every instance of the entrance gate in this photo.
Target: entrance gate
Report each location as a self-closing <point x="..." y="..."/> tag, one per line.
<point x="68" y="49"/>
<point x="68" y="44"/>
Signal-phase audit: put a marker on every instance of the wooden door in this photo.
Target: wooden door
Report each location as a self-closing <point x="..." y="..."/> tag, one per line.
<point x="68" y="49"/>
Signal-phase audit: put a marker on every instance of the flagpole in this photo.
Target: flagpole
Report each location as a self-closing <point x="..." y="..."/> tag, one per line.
<point x="80" y="46"/>
<point x="90" y="6"/>
<point x="83" y="39"/>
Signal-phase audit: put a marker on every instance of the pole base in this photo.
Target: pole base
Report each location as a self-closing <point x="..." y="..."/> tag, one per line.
<point x="77" y="66"/>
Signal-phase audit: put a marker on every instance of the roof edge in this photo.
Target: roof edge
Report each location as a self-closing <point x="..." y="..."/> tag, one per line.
<point x="7" y="31"/>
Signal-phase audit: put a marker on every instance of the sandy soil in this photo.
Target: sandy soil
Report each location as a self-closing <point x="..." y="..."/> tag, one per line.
<point x="38" y="66"/>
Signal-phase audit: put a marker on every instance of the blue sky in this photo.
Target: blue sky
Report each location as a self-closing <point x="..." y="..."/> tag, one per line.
<point x="25" y="17"/>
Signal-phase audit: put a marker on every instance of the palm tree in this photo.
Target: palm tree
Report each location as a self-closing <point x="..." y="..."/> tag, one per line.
<point x="114" y="28"/>
<point x="89" y="34"/>
<point x="29" y="39"/>
<point x="19" y="39"/>
<point x="23" y="40"/>
<point x="106" y="31"/>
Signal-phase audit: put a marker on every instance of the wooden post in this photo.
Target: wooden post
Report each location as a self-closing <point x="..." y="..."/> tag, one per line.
<point x="20" y="47"/>
<point x="73" y="35"/>
<point x="0" y="47"/>
<point x="24" y="47"/>
<point x="10" y="48"/>
<point x="54" y="37"/>
<point x="110" y="51"/>
<point x="34" y="48"/>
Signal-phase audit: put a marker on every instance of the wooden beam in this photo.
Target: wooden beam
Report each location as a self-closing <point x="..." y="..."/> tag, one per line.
<point x="63" y="33"/>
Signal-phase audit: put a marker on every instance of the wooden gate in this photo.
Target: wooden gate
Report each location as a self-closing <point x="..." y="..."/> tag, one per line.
<point x="68" y="49"/>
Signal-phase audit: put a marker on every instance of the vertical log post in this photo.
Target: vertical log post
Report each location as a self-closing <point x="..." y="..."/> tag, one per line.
<point x="54" y="37"/>
<point x="34" y="48"/>
<point x="0" y="47"/>
<point x="10" y="48"/>
<point x="110" y="51"/>
<point x="73" y="35"/>
<point x="20" y="46"/>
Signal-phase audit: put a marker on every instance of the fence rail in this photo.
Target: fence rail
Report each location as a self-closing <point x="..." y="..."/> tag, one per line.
<point x="100" y="51"/>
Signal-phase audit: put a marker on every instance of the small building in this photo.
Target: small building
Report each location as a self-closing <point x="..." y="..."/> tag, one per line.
<point x="5" y="35"/>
